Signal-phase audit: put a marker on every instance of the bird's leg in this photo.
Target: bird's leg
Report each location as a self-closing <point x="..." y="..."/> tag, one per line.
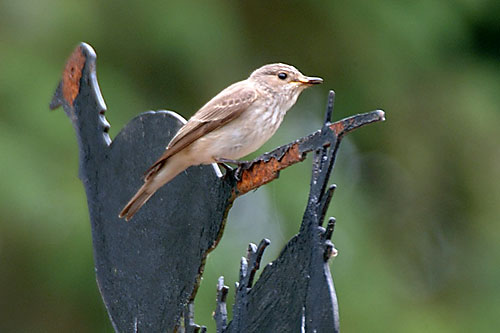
<point x="227" y="160"/>
<point x="225" y="166"/>
<point x="241" y="164"/>
<point x="223" y="163"/>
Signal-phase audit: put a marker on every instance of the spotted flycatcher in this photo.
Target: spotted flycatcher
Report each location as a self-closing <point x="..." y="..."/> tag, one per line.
<point x="233" y="124"/>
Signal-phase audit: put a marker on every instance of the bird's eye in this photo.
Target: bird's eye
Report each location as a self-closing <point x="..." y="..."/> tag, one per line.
<point x="282" y="76"/>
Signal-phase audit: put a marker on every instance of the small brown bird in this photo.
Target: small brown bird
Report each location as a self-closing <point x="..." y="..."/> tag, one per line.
<point x="233" y="124"/>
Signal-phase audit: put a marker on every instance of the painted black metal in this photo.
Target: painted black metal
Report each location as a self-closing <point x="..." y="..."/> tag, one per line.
<point x="148" y="269"/>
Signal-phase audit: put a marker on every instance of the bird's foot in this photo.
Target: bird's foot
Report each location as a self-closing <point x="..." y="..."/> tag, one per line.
<point x="225" y="166"/>
<point x="237" y="173"/>
<point x="241" y="165"/>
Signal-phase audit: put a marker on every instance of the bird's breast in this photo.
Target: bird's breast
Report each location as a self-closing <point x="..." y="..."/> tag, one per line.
<point x="252" y="129"/>
<point x="243" y="135"/>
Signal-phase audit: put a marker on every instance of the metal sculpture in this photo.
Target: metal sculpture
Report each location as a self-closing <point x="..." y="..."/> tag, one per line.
<point x="148" y="270"/>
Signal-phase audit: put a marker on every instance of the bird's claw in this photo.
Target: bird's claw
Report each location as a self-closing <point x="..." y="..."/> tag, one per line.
<point x="242" y="166"/>
<point x="237" y="173"/>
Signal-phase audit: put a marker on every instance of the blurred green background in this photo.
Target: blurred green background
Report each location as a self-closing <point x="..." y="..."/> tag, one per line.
<point x="418" y="197"/>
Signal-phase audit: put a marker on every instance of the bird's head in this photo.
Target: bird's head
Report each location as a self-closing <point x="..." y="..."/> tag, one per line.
<point x="283" y="79"/>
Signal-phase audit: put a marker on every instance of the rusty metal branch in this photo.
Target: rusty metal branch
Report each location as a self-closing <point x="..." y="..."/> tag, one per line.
<point x="267" y="167"/>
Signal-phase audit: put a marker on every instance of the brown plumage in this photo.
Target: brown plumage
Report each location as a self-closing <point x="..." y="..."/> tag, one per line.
<point x="233" y="124"/>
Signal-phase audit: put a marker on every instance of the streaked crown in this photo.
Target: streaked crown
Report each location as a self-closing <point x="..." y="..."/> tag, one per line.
<point x="282" y="78"/>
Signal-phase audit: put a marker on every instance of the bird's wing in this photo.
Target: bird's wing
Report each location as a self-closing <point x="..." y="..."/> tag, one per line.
<point x="224" y="107"/>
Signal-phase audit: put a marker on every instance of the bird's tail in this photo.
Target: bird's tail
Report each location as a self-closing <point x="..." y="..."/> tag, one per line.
<point x="139" y="199"/>
<point x="153" y="182"/>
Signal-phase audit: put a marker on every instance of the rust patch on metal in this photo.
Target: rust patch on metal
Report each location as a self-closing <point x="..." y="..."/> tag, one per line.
<point x="338" y="128"/>
<point x="262" y="172"/>
<point x="72" y="75"/>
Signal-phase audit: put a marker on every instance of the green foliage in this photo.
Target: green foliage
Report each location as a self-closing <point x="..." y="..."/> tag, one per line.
<point x="417" y="198"/>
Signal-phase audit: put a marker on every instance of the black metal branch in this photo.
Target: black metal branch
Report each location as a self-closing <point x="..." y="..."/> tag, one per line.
<point x="248" y="268"/>
<point x="330" y="228"/>
<point x="189" y="325"/>
<point x="250" y="264"/>
<point x="220" y="314"/>
<point x="254" y="257"/>
<point x="329" y="107"/>
<point x="325" y="202"/>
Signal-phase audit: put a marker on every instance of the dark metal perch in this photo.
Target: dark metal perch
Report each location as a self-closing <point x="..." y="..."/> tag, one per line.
<point x="148" y="270"/>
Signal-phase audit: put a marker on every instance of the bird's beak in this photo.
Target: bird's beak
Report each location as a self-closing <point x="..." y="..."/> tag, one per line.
<point x="308" y="80"/>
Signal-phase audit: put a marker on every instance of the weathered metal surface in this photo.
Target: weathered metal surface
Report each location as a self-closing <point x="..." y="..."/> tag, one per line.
<point x="148" y="270"/>
<point x="267" y="167"/>
<point x="220" y="314"/>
